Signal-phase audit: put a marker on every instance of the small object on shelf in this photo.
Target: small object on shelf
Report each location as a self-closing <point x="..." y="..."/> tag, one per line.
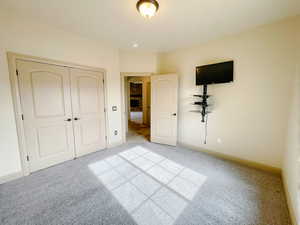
<point x="200" y="103"/>
<point x="198" y="111"/>
<point x="201" y="96"/>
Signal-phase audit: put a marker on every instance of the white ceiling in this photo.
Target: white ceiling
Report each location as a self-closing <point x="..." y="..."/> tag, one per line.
<point x="178" y="23"/>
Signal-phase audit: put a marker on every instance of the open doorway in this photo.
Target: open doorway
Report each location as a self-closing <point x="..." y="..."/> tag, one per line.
<point x="137" y="110"/>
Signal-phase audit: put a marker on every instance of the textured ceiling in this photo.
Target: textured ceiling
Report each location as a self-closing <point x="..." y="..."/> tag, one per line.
<point x="178" y="24"/>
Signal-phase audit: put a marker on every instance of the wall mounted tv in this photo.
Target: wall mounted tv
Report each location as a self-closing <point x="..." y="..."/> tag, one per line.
<point x="214" y="73"/>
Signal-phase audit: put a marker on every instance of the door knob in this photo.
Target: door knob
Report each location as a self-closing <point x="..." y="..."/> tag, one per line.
<point x="76" y="118"/>
<point x="68" y="120"/>
<point x="174" y="114"/>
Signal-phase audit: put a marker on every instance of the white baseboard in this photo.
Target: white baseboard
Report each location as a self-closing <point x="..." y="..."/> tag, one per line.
<point x="289" y="202"/>
<point x="11" y="177"/>
<point x="115" y="144"/>
<point x="292" y="212"/>
<point x="249" y="163"/>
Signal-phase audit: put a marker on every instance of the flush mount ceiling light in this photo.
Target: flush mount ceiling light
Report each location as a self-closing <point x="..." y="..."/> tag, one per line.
<point x="147" y="8"/>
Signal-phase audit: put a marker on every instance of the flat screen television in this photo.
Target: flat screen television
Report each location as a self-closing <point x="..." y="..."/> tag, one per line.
<point x="214" y="73"/>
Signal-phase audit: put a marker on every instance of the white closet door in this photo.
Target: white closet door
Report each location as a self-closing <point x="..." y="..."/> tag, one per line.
<point x="46" y="103"/>
<point x="88" y="111"/>
<point x="164" y="89"/>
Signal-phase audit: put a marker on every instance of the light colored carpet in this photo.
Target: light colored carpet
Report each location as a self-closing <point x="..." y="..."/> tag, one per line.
<point x="145" y="184"/>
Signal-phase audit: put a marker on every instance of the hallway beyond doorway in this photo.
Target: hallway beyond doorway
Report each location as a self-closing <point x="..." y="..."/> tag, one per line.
<point x="138" y="132"/>
<point x="137" y="104"/>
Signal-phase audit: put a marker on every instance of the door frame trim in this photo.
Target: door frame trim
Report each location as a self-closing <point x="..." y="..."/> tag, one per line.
<point x="124" y="116"/>
<point x="16" y="97"/>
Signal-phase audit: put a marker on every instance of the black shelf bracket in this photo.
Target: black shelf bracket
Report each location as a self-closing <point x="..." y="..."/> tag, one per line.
<point x="203" y="103"/>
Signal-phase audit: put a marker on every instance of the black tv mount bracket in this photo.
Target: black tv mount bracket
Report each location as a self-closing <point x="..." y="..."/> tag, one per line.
<point x="203" y="103"/>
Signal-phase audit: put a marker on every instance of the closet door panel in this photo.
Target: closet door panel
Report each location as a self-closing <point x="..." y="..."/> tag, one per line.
<point x="88" y="111"/>
<point x="46" y="104"/>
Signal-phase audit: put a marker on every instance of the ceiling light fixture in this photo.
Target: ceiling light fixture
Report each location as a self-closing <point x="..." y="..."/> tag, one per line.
<point x="147" y="8"/>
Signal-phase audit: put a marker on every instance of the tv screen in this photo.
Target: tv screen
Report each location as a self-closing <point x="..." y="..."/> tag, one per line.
<point x="214" y="73"/>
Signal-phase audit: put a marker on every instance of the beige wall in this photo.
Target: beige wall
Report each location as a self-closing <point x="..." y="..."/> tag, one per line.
<point x="291" y="169"/>
<point x="29" y="37"/>
<point x="249" y="115"/>
<point x="138" y="62"/>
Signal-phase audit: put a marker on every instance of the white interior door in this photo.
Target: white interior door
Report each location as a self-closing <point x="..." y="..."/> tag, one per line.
<point x="88" y="111"/>
<point x="164" y="90"/>
<point x="46" y="104"/>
